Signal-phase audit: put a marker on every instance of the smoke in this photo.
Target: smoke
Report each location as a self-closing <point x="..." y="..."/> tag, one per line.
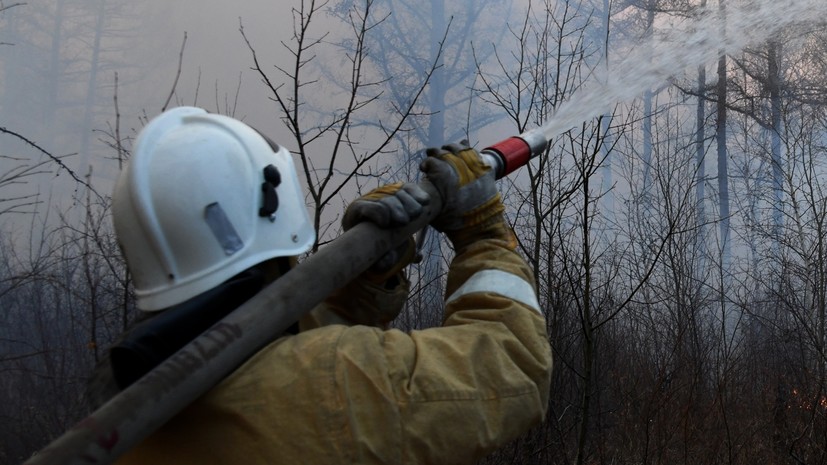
<point x="58" y="65"/>
<point x="680" y="46"/>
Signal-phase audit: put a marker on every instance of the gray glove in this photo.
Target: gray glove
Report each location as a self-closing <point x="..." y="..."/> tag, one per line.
<point x="389" y="206"/>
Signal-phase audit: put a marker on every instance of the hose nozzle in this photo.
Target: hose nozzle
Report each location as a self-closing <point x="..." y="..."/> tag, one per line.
<point x="512" y="153"/>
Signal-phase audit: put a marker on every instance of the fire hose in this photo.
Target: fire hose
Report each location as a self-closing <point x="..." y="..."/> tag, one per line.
<point x="136" y="412"/>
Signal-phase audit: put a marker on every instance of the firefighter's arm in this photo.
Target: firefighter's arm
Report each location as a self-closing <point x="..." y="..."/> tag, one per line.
<point x="363" y="301"/>
<point x="490" y="363"/>
<point x="453" y="394"/>
<point x="450" y="394"/>
<point x="377" y="296"/>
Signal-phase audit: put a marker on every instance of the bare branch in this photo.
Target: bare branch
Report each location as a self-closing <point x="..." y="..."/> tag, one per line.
<point x="54" y="159"/>
<point x="177" y="74"/>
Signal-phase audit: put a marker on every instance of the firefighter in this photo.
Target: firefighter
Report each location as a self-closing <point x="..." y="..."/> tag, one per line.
<point x="209" y="211"/>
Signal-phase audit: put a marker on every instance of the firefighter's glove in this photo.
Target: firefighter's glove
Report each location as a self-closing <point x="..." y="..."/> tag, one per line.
<point x="390" y="206"/>
<point x="471" y="205"/>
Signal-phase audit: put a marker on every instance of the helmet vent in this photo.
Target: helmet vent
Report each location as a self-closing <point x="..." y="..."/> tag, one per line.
<point x="272" y="179"/>
<point x="222" y="228"/>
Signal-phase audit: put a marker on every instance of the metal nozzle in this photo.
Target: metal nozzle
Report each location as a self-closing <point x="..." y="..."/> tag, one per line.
<point x="514" y="152"/>
<point x="536" y="141"/>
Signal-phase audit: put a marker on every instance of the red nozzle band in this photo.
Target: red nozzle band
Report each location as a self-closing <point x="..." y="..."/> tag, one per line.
<point x="514" y="151"/>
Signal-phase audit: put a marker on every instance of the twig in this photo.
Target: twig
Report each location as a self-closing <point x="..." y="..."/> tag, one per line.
<point x="118" y="145"/>
<point x="177" y="74"/>
<point x="4" y="7"/>
<point x="55" y="159"/>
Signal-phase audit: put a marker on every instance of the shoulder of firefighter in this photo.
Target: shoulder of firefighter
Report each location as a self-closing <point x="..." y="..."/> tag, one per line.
<point x="360" y="394"/>
<point x="343" y="392"/>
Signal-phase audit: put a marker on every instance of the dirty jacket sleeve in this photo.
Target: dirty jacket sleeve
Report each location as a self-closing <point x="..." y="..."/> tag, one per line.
<point x="361" y="302"/>
<point x="358" y="394"/>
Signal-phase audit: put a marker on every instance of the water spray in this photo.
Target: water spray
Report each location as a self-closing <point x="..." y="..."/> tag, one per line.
<point x="684" y="45"/>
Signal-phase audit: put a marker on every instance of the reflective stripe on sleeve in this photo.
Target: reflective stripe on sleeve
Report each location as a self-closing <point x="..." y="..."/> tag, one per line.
<point x="502" y="283"/>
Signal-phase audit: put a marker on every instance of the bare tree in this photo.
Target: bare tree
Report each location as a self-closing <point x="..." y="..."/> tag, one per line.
<point x="587" y="276"/>
<point x="331" y="152"/>
<point x="52" y="71"/>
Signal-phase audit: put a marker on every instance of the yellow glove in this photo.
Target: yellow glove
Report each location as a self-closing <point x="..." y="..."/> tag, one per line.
<point x="472" y="208"/>
<point x="364" y="302"/>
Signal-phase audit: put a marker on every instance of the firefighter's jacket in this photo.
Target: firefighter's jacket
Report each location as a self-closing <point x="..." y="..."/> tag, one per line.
<point x="358" y="394"/>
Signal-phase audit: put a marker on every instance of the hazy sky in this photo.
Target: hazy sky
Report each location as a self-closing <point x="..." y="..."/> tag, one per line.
<point x="215" y="61"/>
<point x="216" y="50"/>
<point x="215" y="58"/>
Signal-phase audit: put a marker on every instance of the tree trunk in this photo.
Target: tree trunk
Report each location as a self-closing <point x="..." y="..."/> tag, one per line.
<point x="606" y="123"/>
<point x="700" y="159"/>
<point x="774" y="82"/>
<point x="55" y="73"/>
<point x="647" y="111"/>
<point x="700" y="163"/>
<point x="587" y="328"/>
<point x="721" y="138"/>
<point x="91" y="89"/>
<point x="727" y="317"/>
<point x="436" y="121"/>
<point x="432" y="254"/>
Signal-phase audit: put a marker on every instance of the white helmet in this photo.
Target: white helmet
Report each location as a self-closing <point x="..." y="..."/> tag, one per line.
<point x="203" y="198"/>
